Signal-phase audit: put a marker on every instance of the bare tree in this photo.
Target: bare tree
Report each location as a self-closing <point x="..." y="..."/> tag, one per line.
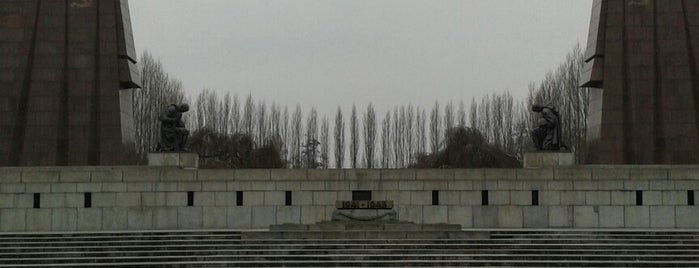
<point x="248" y="116"/>
<point x="461" y="116"/>
<point x="235" y="115"/>
<point x="339" y="139"/>
<point x="262" y="125"/>
<point x="285" y="136"/>
<point x="435" y="136"/>
<point x="354" y="137"/>
<point x="386" y="140"/>
<point x="324" y="146"/>
<point x="369" y="136"/>
<point x="421" y="137"/>
<point x="296" y="132"/>
<point x="448" y="119"/>
<point x="311" y="155"/>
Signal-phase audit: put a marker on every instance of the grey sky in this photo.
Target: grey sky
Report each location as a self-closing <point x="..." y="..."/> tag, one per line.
<point x="325" y="53"/>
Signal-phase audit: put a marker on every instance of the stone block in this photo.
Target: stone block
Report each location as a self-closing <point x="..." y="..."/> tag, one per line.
<point x="140" y="186"/>
<point x="288" y="174"/>
<point x="275" y="198"/>
<point x="499" y="197"/>
<point x="156" y="199"/>
<point x="573" y="197"/>
<point x="500" y="174"/>
<point x="398" y="174"/>
<point x="289" y="214"/>
<point x="485" y="185"/>
<point x="457" y="185"/>
<point x="314" y="186"/>
<point x="661" y="185"/>
<point x="652" y="198"/>
<point x="37" y="220"/>
<point x="178" y="175"/>
<point x="262" y="186"/>
<point x="114" y="187"/>
<point x="7" y="200"/>
<point x="40" y="176"/>
<point x="687" y="217"/>
<point x="381" y="185"/>
<point x="88" y="187"/>
<point x="75" y="200"/>
<point x="684" y="173"/>
<point x="302" y="198"/>
<point x="176" y="199"/>
<point x="585" y="217"/>
<point x="674" y="198"/>
<point x="363" y="174"/>
<point x="469" y="174"/>
<point x="540" y="159"/>
<point x="106" y="175"/>
<point x="521" y="198"/>
<point x="224" y="199"/>
<point x="252" y="174"/>
<point x="623" y="198"/>
<point x="510" y="217"/>
<point x="434" y="174"/>
<point x="288" y="186"/>
<point x="611" y="216"/>
<point x="64" y="219"/>
<point x="57" y="200"/>
<point x="462" y="215"/>
<point x="539" y="173"/>
<point x="535" y="217"/>
<point x="37" y="188"/>
<point x="180" y="160"/>
<point x="595" y="198"/>
<point x="10" y="175"/>
<point x="63" y="188"/>
<point x="13" y="220"/>
<point x="204" y="199"/>
<point x="652" y="173"/>
<point x="560" y="216"/>
<point x="560" y="185"/>
<point x="435" y="214"/>
<point x="189" y="217"/>
<point x="398" y="197"/>
<point x="10" y="188"/>
<point x="324" y="198"/>
<point x="636" y="185"/>
<point x="165" y="218"/>
<point x="114" y="219"/>
<point x="449" y="197"/>
<point x="420" y="197"/>
<point x="410" y="213"/>
<point x="216" y="174"/>
<point x="550" y="198"/>
<point x="74" y="176"/>
<point x="215" y="218"/>
<point x="140" y="218"/>
<point x="471" y="198"/>
<point x="189" y="186"/>
<point x="263" y="216"/>
<point x="141" y="173"/>
<point x="435" y="185"/>
<point x="637" y="217"/>
<point x="165" y="186"/>
<point x="585" y="185"/>
<point x="24" y="200"/>
<point x="572" y="173"/>
<point x="610" y="173"/>
<point x="686" y="185"/>
<point x="128" y="199"/>
<point x="253" y="198"/>
<point x="410" y="185"/>
<point x="239" y="217"/>
<point x="662" y="216"/>
<point x="485" y="217"/>
<point x="610" y="185"/>
<point x="325" y="174"/>
<point x="89" y="219"/>
<point x="214" y="186"/>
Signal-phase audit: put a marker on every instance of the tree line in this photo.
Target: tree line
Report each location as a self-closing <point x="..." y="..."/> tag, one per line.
<point x="231" y="127"/>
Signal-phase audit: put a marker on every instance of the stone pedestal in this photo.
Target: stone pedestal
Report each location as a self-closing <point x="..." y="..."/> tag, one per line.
<point x="548" y="159"/>
<point x="181" y="160"/>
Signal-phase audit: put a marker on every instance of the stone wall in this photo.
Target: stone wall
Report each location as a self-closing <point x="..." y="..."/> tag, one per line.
<point x="138" y="198"/>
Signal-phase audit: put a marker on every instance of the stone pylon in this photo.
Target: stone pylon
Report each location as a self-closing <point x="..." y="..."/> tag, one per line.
<point x="641" y="62"/>
<point x="67" y="71"/>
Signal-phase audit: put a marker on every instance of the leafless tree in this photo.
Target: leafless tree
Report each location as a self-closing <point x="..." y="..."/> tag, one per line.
<point x="311" y="156"/>
<point x="286" y="137"/>
<point x="435" y="136"/>
<point x="354" y="137"/>
<point x="262" y="125"/>
<point x="369" y="136"/>
<point x="296" y="142"/>
<point x="448" y="119"/>
<point x="386" y="140"/>
<point x="461" y="117"/>
<point x="421" y="137"/>
<point x="248" y="116"/>
<point x="339" y="139"/>
<point x="324" y="146"/>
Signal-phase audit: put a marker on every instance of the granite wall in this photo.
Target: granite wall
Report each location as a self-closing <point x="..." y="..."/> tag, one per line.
<point x="139" y="198"/>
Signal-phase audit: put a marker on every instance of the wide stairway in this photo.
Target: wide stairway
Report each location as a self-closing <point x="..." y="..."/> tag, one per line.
<point x="492" y="248"/>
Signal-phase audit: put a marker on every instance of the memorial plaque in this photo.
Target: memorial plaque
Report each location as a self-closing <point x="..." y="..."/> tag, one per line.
<point x="364" y="204"/>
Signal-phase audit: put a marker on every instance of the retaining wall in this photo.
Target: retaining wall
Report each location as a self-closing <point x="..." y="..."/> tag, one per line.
<point x="139" y="198"/>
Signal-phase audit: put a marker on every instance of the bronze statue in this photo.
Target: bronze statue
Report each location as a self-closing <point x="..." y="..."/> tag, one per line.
<point x="547" y="134"/>
<point x="173" y="134"/>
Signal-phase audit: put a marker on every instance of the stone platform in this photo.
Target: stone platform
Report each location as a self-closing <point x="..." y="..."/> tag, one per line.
<point x="181" y="160"/>
<point x="540" y="159"/>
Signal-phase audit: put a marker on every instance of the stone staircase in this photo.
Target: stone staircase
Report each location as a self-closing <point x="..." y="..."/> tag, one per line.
<point x="492" y="248"/>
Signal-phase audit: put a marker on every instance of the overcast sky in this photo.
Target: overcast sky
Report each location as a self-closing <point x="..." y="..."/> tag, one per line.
<point x="325" y="53"/>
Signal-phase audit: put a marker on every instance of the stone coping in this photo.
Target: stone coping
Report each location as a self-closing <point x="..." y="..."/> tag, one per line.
<point x="164" y="174"/>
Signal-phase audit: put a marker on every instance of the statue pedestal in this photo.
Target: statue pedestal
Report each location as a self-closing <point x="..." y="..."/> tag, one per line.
<point x="174" y="159"/>
<point x="548" y="159"/>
